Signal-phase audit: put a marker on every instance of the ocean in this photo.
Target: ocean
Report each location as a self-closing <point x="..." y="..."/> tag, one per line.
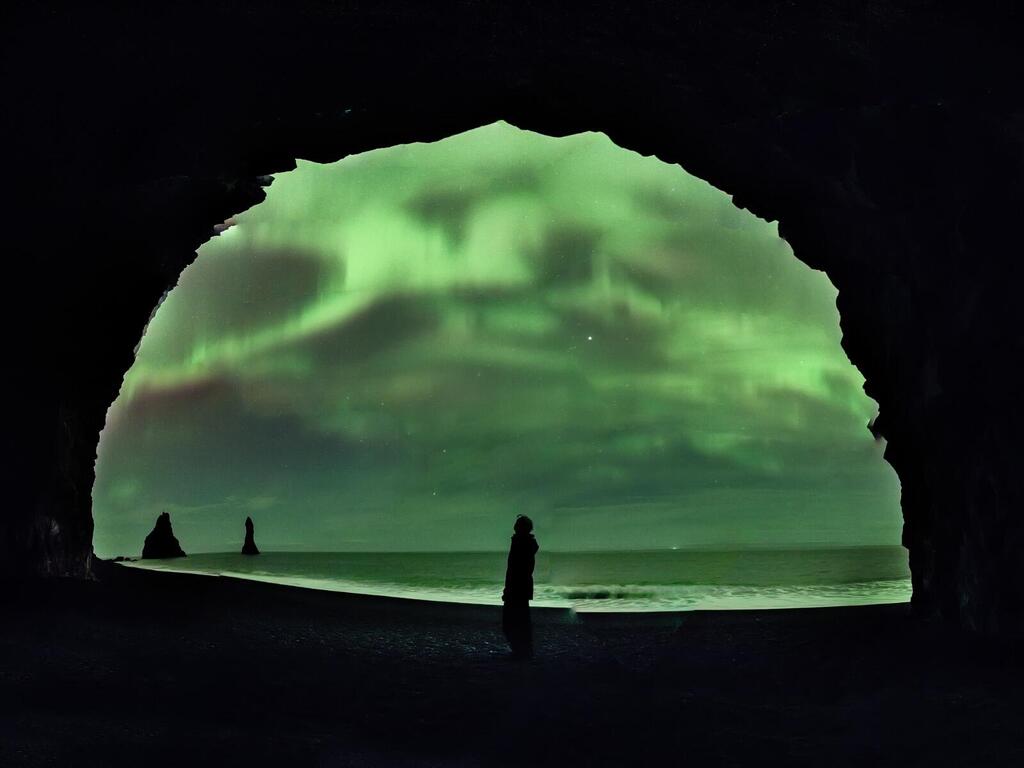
<point x="662" y="580"/>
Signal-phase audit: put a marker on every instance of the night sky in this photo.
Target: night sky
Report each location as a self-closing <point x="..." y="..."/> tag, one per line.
<point x="404" y="349"/>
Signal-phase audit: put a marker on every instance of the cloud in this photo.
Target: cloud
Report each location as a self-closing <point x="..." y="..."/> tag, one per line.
<point x="446" y="207"/>
<point x="201" y="442"/>
<point x="566" y="255"/>
<point x="233" y="293"/>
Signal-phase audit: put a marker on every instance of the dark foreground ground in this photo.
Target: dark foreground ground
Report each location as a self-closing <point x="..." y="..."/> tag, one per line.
<point x="168" y="669"/>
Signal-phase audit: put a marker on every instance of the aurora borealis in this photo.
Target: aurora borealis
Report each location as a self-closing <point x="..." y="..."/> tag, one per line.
<point x="404" y="349"/>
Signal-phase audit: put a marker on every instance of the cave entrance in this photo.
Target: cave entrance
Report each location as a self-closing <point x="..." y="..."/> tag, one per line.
<point x="400" y="351"/>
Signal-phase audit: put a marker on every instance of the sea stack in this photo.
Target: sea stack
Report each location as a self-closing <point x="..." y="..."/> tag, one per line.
<point x="161" y="541"/>
<point x="249" y="547"/>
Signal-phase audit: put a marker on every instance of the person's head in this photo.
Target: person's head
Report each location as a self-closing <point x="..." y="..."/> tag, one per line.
<point x="523" y="524"/>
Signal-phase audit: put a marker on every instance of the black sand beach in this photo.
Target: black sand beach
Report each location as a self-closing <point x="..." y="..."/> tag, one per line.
<point x="147" y="668"/>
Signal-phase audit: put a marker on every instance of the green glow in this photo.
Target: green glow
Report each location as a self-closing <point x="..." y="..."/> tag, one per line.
<point x="404" y="348"/>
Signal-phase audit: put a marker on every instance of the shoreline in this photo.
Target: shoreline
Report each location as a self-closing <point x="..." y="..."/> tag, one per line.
<point x="619" y="598"/>
<point x="540" y="613"/>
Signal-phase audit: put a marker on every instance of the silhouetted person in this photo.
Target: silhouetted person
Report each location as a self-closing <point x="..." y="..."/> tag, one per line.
<point x="515" y="617"/>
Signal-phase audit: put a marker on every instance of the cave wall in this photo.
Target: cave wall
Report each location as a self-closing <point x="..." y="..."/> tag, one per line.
<point x="886" y="138"/>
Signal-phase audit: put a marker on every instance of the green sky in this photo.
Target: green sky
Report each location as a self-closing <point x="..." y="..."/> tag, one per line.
<point x="403" y="349"/>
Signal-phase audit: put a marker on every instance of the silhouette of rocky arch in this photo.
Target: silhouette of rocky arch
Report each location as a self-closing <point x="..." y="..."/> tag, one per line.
<point x="862" y="129"/>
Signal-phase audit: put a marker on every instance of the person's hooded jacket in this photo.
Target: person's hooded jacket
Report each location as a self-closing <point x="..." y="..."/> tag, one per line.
<point x="519" y="573"/>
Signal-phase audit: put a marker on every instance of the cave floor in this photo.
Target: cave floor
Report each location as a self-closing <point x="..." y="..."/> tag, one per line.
<point x="149" y="668"/>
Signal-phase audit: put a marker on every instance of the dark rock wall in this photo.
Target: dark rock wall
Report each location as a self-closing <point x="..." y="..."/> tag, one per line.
<point x="886" y="138"/>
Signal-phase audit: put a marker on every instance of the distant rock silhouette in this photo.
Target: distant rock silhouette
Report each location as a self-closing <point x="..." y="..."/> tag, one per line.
<point x="249" y="547"/>
<point x="161" y="541"/>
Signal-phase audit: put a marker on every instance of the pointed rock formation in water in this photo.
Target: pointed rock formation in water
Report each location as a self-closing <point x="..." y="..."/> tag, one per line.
<point x="249" y="547"/>
<point x="161" y="541"/>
